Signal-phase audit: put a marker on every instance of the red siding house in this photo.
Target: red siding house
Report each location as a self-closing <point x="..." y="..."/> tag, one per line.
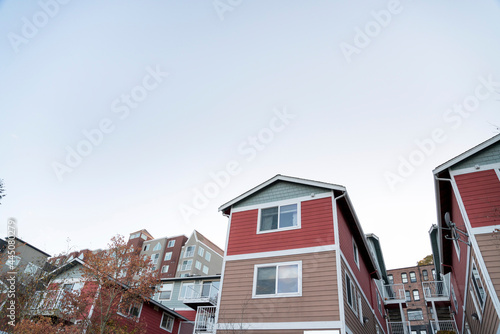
<point x="466" y="240"/>
<point x="151" y="315"/>
<point x="296" y="261"/>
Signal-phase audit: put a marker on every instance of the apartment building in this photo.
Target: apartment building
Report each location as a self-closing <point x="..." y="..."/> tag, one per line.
<point x="200" y="257"/>
<point x="296" y="261"/>
<point x="466" y="239"/>
<point x="164" y="254"/>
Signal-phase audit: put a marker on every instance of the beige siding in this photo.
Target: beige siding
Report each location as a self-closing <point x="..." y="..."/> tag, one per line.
<point x="319" y="300"/>
<point x="489" y="244"/>
<point x="489" y="322"/>
<point x="489" y="318"/>
<point x="352" y="319"/>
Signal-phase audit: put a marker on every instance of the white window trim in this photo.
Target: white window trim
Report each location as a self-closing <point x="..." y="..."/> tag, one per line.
<point x="190" y="266"/>
<point x="146" y="248"/>
<point x="128" y="316"/>
<point x="355" y="251"/>
<point x="157" y="247"/>
<point x="205" y="271"/>
<point x="208" y="256"/>
<point x="280" y="204"/>
<point x="166" y="271"/>
<point x="190" y="254"/>
<point x="201" y="251"/>
<point x="278" y="295"/>
<point x="352" y="287"/>
<point x="171" y="242"/>
<point x="173" y="323"/>
<point x="165" y="257"/>
<point x="481" y="307"/>
<point x="171" y="292"/>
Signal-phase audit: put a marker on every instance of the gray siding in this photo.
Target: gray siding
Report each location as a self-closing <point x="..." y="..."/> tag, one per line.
<point x="278" y="191"/>
<point x="487" y="156"/>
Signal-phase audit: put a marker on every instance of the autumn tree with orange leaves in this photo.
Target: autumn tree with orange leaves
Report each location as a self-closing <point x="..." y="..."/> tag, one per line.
<point x="116" y="281"/>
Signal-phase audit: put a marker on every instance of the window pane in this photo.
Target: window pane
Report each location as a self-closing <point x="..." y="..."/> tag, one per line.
<point x="288" y="215"/>
<point x="288" y="279"/>
<point x="266" y="281"/>
<point x="269" y="219"/>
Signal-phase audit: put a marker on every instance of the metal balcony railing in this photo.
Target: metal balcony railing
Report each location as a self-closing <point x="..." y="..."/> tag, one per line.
<point x="202" y="293"/>
<point x="435" y="290"/>
<point x="402" y="327"/>
<point x="443" y="325"/>
<point x="393" y="293"/>
<point x="205" y="320"/>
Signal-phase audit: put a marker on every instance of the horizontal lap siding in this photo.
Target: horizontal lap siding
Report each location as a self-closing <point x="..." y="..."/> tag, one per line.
<point x="489" y="244"/>
<point x="489" y="322"/>
<point x="316" y="230"/>
<point x="277" y="331"/>
<point x="480" y="192"/>
<point x="319" y="300"/>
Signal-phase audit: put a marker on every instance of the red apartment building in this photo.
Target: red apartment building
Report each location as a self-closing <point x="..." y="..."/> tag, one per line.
<point x="297" y="261"/>
<point x="466" y="240"/>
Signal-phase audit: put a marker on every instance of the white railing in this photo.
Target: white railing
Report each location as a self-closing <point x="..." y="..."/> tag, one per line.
<point x="444" y="325"/>
<point x="202" y="293"/>
<point x="205" y="320"/>
<point x="393" y="292"/>
<point x="402" y="327"/>
<point x="47" y="300"/>
<point x="435" y="290"/>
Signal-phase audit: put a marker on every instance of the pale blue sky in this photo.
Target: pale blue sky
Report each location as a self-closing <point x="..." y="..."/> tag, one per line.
<point x="353" y="120"/>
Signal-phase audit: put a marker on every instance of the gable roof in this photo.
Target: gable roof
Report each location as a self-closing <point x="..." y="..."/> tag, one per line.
<point x="276" y="178"/>
<point x="201" y="238"/>
<point x="466" y="154"/>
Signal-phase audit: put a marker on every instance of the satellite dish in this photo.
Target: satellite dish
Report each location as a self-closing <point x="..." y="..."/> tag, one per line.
<point x="447" y="220"/>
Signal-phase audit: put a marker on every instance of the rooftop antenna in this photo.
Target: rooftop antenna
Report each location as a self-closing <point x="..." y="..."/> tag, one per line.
<point x="455" y="231"/>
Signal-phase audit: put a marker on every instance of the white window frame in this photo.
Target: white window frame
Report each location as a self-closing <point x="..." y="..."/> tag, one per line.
<point x="157" y="247"/>
<point x="169" y="257"/>
<point x="402" y="280"/>
<point x="189" y="252"/>
<point x="146" y="247"/>
<point x="413" y="294"/>
<point x="163" y="267"/>
<point x="475" y="288"/>
<point x="154" y="258"/>
<point x="355" y="251"/>
<point x="31" y="269"/>
<point x="172" y="323"/>
<point x="351" y="287"/>
<point x="279" y="205"/>
<point x="208" y="256"/>
<point x="135" y="235"/>
<point x="276" y="294"/>
<point x="201" y="251"/>
<point x="197" y="265"/>
<point x="205" y="270"/>
<point x="188" y="266"/>
<point x="128" y="311"/>
<point x="414" y="275"/>
<point x="171" y="243"/>
<point x="415" y="311"/>
<point x="166" y="285"/>
<point x="426" y="275"/>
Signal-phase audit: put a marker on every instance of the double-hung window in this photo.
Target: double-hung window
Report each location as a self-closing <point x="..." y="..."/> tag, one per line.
<point x="186" y="265"/>
<point x="404" y="278"/>
<point x="277" y="218"/>
<point x="278" y="280"/>
<point x="478" y="286"/>
<point x="413" y="277"/>
<point x="167" y="322"/>
<point x="165" y="291"/>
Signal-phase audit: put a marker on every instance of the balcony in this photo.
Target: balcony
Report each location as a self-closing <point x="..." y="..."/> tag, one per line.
<point x="205" y="320"/>
<point x="393" y="293"/>
<point x="205" y="294"/>
<point x="443" y="325"/>
<point x="47" y="303"/>
<point x="402" y="327"/>
<point x="436" y="291"/>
